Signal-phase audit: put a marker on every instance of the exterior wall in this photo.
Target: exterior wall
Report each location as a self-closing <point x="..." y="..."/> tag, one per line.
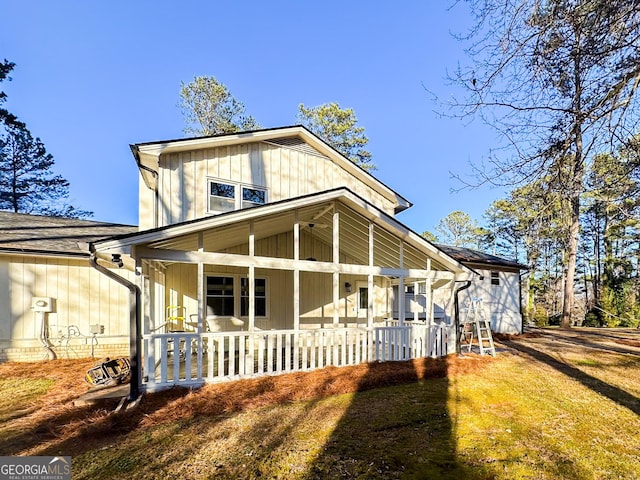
<point x="501" y="302"/>
<point x="83" y="297"/>
<point x="285" y="173"/>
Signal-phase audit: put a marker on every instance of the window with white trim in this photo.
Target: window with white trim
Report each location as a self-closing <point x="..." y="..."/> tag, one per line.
<point x="225" y="196"/>
<point x="260" y="299"/>
<point x="220" y="296"/>
<point x="495" y="278"/>
<point x="229" y="297"/>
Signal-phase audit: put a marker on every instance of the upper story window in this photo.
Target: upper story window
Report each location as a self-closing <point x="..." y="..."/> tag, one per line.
<point x="495" y="278"/>
<point x="228" y="196"/>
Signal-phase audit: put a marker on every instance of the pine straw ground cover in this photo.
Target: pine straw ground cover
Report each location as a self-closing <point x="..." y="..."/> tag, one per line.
<point x="545" y="408"/>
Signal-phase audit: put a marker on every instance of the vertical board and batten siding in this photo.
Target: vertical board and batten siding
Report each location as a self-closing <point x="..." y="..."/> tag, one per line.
<point x="83" y="297"/>
<point x="284" y="172"/>
<point x="501" y="302"/>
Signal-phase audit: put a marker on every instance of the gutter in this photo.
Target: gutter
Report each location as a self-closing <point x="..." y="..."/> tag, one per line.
<point x="134" y="322"/>
<point x="456" y="309"/>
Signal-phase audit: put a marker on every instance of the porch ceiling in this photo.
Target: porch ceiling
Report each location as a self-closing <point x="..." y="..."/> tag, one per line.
<point x="316" y="225"/>
<point x="394" y="246"/>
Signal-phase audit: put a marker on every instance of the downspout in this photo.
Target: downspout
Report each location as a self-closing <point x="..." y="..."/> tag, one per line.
<point x="456" y="310"/>
<point x="134" y="322"/>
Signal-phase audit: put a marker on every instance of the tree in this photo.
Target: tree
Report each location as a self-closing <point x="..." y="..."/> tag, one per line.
<point x="430" y="236"/>
<point x="458" y="229"/>
<point x="27" y="184"/>
<point x="611" y="234"/>
<point x="558" y="79"/>
<point x="209" y="108"/>
<point x="338" y="127"/>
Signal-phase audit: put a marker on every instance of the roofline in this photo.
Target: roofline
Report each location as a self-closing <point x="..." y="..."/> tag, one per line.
<point x="222" y="219"/>
<point x="153" y="150"/>
<point x="43" y="253"/>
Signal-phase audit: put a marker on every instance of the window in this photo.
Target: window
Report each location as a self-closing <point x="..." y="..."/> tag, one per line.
<point x="495" y="278"/>
<point x="227" y="196"/>
<point x="220" y="296"/>
<point x="260" y="302"/>
<point x="252" y="197"/>
<point x="222" y="197"/>
<point x="228" y="296"/>
<point x="363" y="298"/>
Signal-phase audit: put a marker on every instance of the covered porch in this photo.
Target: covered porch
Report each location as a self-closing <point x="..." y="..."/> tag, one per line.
<point x="289" y="286"/>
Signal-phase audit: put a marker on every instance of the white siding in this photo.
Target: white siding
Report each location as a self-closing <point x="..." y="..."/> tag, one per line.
<point x="501" y="302"/>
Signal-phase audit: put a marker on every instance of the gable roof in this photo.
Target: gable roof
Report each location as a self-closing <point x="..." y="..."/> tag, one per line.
<point x="468" y="256"/>
<point x="147" y="154"/>
<point x="42" y="235"/>
<point x="163" y="236"/>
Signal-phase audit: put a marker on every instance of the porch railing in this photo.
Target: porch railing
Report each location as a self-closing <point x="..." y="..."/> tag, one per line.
<point x="191" y="359"/>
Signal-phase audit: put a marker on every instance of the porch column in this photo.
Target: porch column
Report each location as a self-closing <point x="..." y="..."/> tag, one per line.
<point x="252" y="279"/>
<point x="401" y="287"/>
<point x="200" y="294"/>
<point x="429" y="296"/>
<point x="336" y="261"/>
<point x="370" y="279"/>
<point x="296" y="273"/>
<point x="416" y="303"/>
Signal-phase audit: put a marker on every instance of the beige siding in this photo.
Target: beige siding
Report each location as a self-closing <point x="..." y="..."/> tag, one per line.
<point x="284" y="172"/>
<point x="83" y="297"/>
<point x="146" y="211"/>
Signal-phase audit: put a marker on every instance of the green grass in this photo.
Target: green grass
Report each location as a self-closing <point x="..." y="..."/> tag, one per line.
<point x="515" y="419"/>
<point x="17" y="395"/>
<point x="535" y="412"/>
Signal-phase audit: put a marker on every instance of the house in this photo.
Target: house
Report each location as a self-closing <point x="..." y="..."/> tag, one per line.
<point x="499" y="286"/>
<point x="259" y="253"/>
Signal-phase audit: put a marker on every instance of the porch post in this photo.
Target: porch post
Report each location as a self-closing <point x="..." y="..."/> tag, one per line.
<point x="416" y="291"/>
<point x="429" y="297"/>
<point x="401" y="297"/>
<point x="252" y="279"/>
<point x="336" y="261"/>
<point x="200" y="294"/>
<point x="370" y="279"/>
<point x="296" y="273"/>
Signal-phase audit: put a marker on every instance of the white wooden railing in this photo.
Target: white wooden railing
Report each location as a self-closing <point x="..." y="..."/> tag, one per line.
<point x="192" y="359"/>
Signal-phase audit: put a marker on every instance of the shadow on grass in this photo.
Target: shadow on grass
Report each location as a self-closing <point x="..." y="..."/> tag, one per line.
<point x="612" y="392"/>
<point x="579" y="340"/>
<point x="402" y="431"/>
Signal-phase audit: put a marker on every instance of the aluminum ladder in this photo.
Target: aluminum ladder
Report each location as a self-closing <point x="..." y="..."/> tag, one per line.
<point x="476" y="324"/>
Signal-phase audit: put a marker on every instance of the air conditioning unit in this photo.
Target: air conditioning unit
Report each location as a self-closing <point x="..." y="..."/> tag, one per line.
<point x="42" y="304"/>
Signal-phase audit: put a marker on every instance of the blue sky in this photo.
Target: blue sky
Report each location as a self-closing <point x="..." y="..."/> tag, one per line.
<point x="93" y="77"/>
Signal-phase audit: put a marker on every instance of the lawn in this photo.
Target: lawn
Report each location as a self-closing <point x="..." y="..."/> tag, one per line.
<point x="550" y="406"/>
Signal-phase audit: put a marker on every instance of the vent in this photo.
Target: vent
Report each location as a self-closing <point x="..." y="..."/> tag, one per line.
<point x="295" y="143"/>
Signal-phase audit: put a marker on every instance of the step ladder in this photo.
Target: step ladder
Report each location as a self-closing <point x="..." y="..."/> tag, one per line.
<point x="475" y="324"/>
